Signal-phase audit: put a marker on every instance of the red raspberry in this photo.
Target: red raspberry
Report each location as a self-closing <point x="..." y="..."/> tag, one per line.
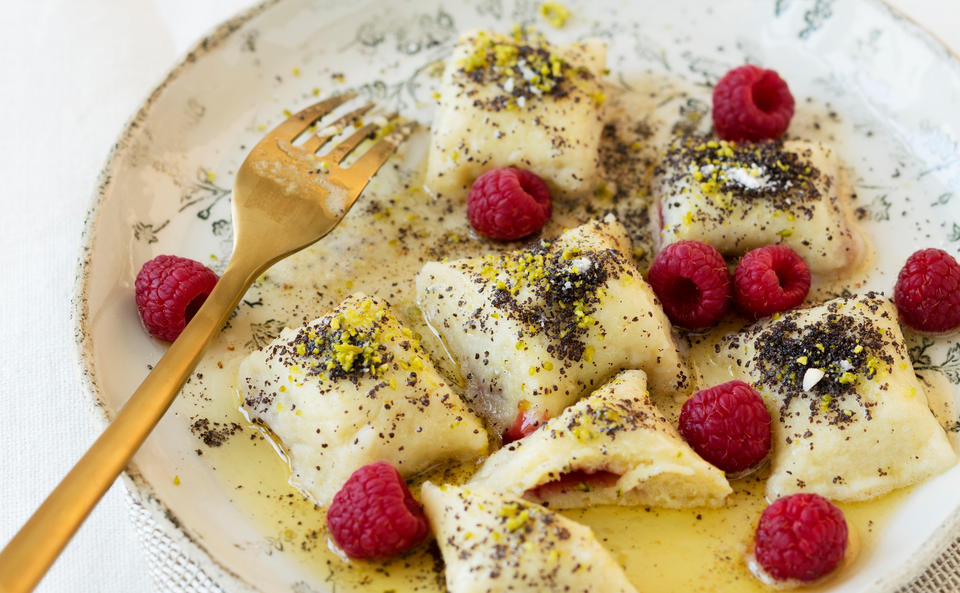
<point x="374" y="515"/>
<point x="927" y="293"/>
<point x="801" y="536"/>
<point x="169" y="291"/>
<point x="769" y="280"/>
<point x="751" y="104"/>
<point x="728" y="425"/>
<point x="692" y="282"/>
<point x="508" y="204"/>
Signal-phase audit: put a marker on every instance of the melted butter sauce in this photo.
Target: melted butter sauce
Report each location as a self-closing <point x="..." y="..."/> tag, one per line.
<point x="378" y="249"/>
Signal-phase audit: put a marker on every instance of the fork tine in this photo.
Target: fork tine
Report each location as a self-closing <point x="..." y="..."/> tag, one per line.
<point x="373" y="159"/>
<point x="300" y="121"/>
<point x="316" y="141"/>
<point x="340" y="151"/>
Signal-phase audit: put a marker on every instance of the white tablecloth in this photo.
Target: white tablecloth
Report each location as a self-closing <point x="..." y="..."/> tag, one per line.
<point x="73" y="72"/>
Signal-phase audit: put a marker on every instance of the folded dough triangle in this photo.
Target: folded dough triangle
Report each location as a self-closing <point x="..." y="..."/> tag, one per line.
<point x="548" y="125"/>
<point x="612" y="447"/>
<point x="492" y="543"/>
<point x="535" y="329"/>
<point x="741" y="196"/>
<point x="850" y="418"/>
<point x="351" y="388"/>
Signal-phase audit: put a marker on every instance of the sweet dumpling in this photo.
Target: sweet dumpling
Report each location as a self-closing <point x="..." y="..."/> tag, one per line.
<point x="738" y="197"/>
<point x="492" y="543"/>
<point x="517" y="101"/>
<point x="351" y="388"/>
<point x="535" y="329"/>
<point x="611" y="447"/>
<point x="850" y="418"/>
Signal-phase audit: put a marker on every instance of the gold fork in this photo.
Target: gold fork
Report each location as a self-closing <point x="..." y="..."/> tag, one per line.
<point x="285" y="198"/>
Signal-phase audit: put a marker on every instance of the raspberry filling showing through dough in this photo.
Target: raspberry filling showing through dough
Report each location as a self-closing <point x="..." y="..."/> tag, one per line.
<point x="578" y="479"/>
<point x="525" y="423"/>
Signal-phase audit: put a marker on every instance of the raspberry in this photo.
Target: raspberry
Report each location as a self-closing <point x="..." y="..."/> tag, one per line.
<point x="769" y="280"/>
<point x="728" y="425"/>
<point x="169" y="291"/>
<point x="692" y="282"/>
<point x="374" y="515"/>
<point x="508" y="204"/>
<point x="927" y="293"/>
<point x="801" y="536"/>
<point x="751" y="104"/>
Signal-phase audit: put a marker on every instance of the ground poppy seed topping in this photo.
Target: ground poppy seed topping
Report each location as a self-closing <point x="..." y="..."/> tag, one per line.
<point x="515" y="529"/>
<point x="350" y="345"/>
<point x="730" y="171"/>
<point x="525" y="68"/>
<point x="608" y="420"/>
<point x="826" y="360"/>
<point x="741" y="196"/>
<point x="553" y="291"/>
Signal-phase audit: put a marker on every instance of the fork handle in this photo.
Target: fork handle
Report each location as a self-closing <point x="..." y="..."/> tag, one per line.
<point x="28" y="556"/>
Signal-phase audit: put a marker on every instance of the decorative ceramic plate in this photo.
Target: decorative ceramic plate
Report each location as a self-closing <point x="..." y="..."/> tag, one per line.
<point x="881" y="92"/>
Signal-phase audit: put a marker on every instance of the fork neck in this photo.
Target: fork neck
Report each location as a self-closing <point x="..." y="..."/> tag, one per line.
<point x="33" y="549"/>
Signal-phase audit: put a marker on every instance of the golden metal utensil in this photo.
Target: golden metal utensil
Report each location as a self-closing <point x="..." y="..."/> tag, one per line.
<point x="285" y="198"/>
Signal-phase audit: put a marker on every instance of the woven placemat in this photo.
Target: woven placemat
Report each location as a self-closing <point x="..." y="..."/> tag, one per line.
<point x="173" y="572"/>
<point x="942" y="576"/>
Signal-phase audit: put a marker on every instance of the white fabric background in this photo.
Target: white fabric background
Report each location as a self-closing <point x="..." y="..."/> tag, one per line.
<point x="73" y="71"/>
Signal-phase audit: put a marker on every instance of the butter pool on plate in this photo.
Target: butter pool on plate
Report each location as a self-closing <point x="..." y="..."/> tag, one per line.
<point x="516" y="101"/>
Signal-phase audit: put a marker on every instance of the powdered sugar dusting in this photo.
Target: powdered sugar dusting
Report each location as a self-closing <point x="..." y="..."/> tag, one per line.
<point x="745" y="178"/>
